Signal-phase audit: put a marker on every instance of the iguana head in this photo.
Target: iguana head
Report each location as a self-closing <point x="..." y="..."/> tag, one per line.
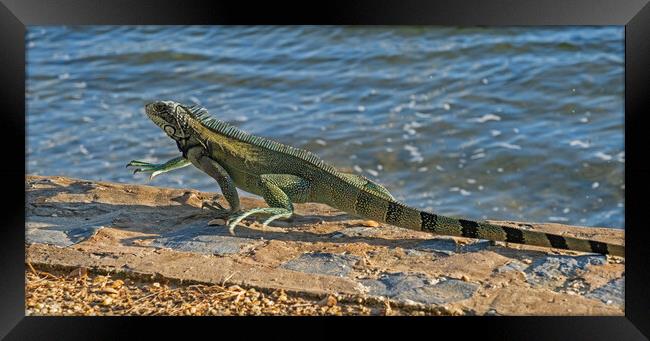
<point x="171" y="117"/>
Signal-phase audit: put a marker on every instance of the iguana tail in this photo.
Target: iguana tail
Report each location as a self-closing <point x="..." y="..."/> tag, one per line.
<point x="376" y="207"/>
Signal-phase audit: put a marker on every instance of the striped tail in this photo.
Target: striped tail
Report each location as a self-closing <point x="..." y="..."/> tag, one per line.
<point x="378" y="208"/>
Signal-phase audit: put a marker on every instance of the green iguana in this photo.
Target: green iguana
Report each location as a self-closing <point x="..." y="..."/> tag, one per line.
<point x="284" y="175"/>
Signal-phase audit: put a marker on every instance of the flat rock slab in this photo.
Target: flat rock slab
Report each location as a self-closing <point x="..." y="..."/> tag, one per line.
<point x="419" y="288"/>
<point x="149" y="231"/>
<point x="610" y="293"/>
<point x="449" y="246"/>
<point x="322" y="263"/>
<point x="203" y="239"/>
<point x="549" y="270"/>
<point x="55" y="231"/>
<point x="515" y="265"/>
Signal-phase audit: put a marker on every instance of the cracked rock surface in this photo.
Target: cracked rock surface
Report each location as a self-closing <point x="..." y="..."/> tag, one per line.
<point x="148" y="231"/>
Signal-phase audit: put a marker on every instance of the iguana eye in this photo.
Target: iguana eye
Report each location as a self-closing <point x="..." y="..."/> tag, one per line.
<point x="170" y="130"/>
<point x="159" y="107"/>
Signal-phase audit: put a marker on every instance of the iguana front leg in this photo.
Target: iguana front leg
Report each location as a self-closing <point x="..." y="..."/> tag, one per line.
<point x="278" y="190"/>
<point x="158" y="168"/>
<point x="217" y="172"/>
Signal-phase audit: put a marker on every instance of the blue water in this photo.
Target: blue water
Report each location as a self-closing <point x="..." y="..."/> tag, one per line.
<point x="518" y="123"/>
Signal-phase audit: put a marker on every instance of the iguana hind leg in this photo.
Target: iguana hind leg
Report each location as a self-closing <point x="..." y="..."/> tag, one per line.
<point x="279" y="191"/>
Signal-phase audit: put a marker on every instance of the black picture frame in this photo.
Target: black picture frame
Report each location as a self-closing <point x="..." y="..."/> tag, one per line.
<point x="15" y="15"/>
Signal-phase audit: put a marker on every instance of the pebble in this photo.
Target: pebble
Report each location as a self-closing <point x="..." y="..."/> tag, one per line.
<point x="369" y="223"/>
<point x="329" y="301"/>
<point x="217" y="221"/>
<point x="387" y="309"/>
<point x="282" y="297"/>
<point x="79" y="272"/>
<point x="455" y="311"/>
<point x="99" y="280"/>
<point x="492" y="312"/>
<point x="108" y="290"/>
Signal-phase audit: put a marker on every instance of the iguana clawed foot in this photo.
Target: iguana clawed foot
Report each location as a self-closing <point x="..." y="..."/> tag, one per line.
<point x="215" y="206"/>
<point x="158" y="168"/>
<point x="145" y="167"/>
<point x="221" y="214"/>
<point x="275" y="213"/>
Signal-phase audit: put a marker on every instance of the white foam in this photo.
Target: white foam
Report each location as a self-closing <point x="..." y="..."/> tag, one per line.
<point x="507" y="145"/>
<point x="620" y="157"/>
<point x="414" y="152"/>
<point x="580" y="144"/>
<point x="558" y="218"/>
<point x="485" y="118"/>
<point x="469" y="143"/>
<point x="603" y="156"/>
<point x="477" y="156"/>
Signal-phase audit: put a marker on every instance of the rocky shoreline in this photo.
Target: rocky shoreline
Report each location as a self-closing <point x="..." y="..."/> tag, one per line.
<point x="161" y="234"/>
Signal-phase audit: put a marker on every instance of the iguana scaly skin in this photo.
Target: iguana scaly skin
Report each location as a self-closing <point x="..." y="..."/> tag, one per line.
<point x="284" y="175"/>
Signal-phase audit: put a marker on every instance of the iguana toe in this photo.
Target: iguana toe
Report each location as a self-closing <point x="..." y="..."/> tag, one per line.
<point x="274" y="217"/>
<point x="215" y="206"/>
